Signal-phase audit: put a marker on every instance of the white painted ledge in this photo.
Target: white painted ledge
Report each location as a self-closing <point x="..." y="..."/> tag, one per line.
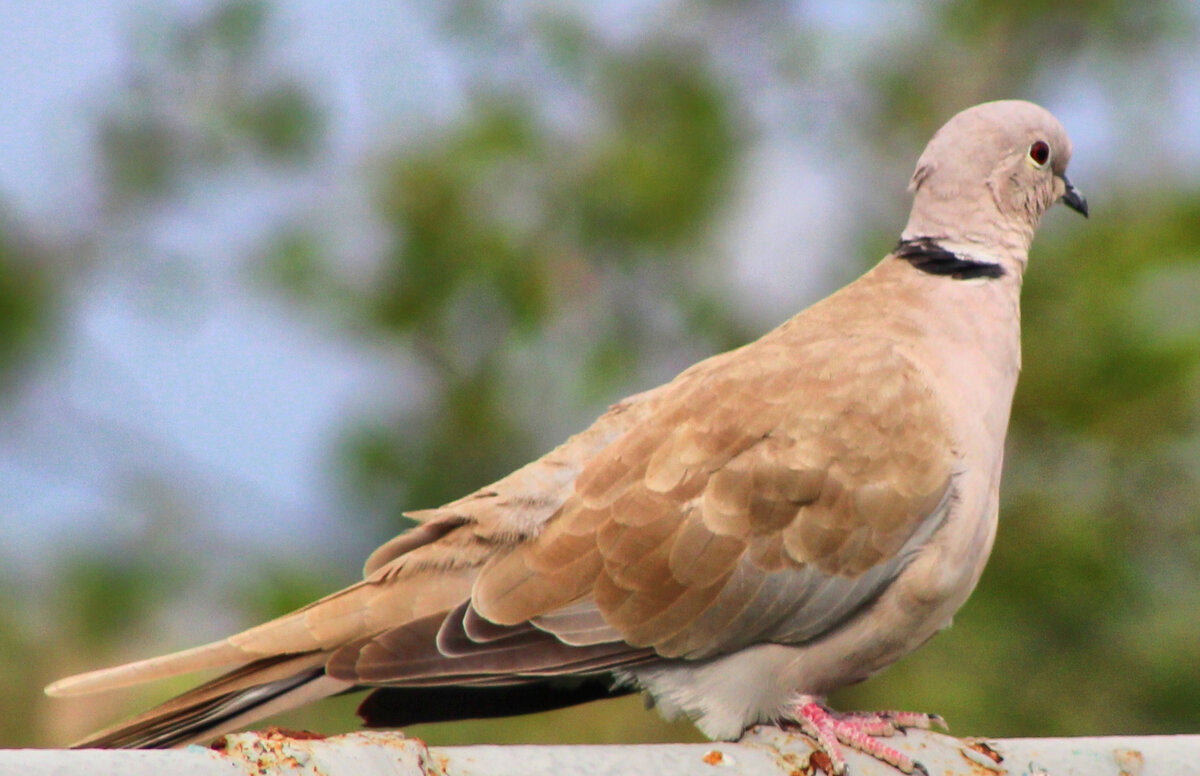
<point x="763" y="752"/>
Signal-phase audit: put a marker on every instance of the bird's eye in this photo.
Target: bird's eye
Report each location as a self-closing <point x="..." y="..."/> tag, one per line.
<point x="1039" y="152"/>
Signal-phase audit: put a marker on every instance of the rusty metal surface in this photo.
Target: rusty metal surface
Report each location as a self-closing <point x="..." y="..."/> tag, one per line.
<point x="764" y="752"/>
<point x="369" y="754"/>
<point x="945" y="755"/>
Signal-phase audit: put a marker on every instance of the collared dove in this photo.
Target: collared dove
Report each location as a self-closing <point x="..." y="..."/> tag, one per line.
<point x="776" y="522"/>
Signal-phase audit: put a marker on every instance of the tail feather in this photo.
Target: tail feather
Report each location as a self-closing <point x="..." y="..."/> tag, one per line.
<point x="218" y="654"/>
<point x="323" y="624"/>
<point x="246" y="694"/>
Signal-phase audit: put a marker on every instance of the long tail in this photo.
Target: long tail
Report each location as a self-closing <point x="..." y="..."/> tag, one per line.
<point x="230" y="701"/>
<point x="280" y="664"/>
<point x="272" y="667"/>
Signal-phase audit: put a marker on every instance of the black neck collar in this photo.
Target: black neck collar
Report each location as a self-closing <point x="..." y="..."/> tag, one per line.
<point x="925" y="254"/>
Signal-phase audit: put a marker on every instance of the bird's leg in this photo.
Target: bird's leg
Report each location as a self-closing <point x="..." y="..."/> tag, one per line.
<point x="860" y="730"/>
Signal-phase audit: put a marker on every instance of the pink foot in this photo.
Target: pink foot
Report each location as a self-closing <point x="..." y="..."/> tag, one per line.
<point x="860" y="730"/>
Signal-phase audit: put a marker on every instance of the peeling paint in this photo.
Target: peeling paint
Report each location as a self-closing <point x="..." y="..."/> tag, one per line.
<point x="763" y="752"/>
<point x="982" y="757"/>
<point x="1130" y="761"/>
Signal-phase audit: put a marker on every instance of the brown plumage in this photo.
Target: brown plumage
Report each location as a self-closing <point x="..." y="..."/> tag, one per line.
<point x="777" y="521"/>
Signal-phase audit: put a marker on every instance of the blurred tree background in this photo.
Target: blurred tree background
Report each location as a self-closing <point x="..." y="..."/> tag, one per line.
<point x="560" y="204"/>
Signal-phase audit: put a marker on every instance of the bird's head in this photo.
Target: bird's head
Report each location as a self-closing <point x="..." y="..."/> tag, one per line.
<point x="989" y="174"/>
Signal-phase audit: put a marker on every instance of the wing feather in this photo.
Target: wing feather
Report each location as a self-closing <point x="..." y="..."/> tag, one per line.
<point x="782" y="496"/>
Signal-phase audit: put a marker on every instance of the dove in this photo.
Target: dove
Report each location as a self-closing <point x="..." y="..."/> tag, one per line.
<point x="778" y="521"/>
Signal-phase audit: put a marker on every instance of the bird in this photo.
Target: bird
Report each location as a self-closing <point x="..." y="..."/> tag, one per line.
<point x="776" y="522"/>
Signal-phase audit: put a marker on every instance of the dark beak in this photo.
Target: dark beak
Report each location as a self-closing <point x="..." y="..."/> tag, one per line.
<point x="1073" y="199"/>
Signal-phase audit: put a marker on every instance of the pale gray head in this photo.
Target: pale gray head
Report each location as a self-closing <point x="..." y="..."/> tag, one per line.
<point x="986" y="178"/>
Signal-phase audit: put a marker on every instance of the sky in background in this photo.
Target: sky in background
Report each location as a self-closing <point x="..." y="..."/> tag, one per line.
<point x="241" y="395"/>
<point x="236" y="388"/>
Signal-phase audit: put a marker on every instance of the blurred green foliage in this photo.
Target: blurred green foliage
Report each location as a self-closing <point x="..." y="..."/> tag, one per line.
<point x="525" y="253"/>
<point x="28" y="300"/>
<point x="204" y="96"/>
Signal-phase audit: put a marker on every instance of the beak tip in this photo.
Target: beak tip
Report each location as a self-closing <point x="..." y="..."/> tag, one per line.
<point x="1076" y="201"/>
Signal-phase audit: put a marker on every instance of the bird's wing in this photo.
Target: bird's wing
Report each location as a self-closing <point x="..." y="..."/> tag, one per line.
<point x="766" y="498"/>
<point x="766" y="494"/>
<point x="427" y="569"/>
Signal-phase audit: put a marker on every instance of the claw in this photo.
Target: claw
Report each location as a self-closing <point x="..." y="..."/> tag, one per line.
<point x="915" y="719"/>
<point x="831" y="730"/>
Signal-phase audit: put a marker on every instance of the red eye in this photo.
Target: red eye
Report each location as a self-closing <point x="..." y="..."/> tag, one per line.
<point x="1039" y="152"/>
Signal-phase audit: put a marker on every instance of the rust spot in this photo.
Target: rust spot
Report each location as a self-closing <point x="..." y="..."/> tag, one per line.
<point x="820" y="760"/>
<point x="793" y="763"/>
<point x="985" y="750"/>
<point x="275" y="732"/>
<point x="263" y="752"/>
<point x="1130" y="761"/>
<point x="714" y="758"/>
<point x="430" y="762"/>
